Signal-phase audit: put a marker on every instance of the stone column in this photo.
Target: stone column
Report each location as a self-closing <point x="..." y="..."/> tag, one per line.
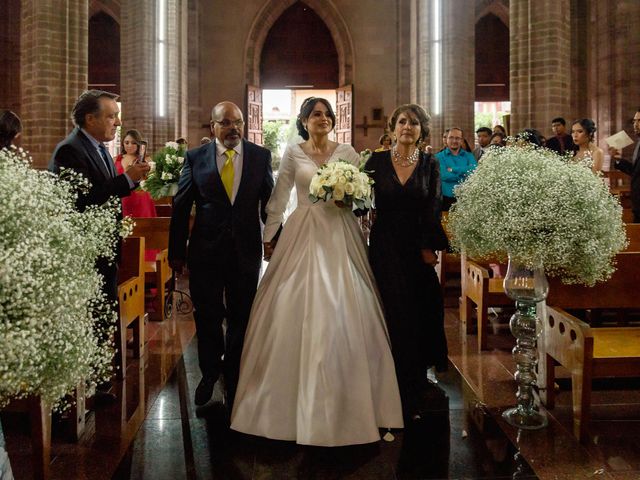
<point x="540" y="70"/>
<point x="613" y="66"/>
<point x="54" y="50"/>
<point x="140" y="63"/>
<point x="458" y="82"/>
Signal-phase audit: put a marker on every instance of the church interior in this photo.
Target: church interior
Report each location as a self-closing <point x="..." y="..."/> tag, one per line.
<point x="469" y="64"/>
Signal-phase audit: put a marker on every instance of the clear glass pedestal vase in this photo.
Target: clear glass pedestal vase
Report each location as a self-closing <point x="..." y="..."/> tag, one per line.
<point x="527" y="286"/>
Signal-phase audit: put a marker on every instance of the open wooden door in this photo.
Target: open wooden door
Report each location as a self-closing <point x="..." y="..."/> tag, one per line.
<point x="344" y="117"/>
<point x="253" y="130"/>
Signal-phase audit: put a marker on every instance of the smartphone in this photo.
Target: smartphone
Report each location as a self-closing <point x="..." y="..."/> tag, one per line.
<point x="142" y="152"/>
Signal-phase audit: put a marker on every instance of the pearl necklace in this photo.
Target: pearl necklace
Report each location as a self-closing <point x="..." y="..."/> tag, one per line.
<point x="404" y="160"/>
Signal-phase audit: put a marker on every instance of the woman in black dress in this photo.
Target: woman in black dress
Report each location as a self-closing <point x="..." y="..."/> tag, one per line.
<point x="404" y="239"/>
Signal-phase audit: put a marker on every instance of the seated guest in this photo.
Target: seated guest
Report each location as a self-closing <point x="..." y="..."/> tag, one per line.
<point x="10" y="128"/>
<point x="205" y="140"/>
<point x="385" y="143"/>
<point x="529" y="135"/>
<point x="139" y="203"/>
<point x="500" y="129"/>
<point x="455" y="164"/>
<point x="498" y="139"/>
<point x="562" y="141"/>
<point x="182" y="142"/>
<point x="483" y="135"/>
<point x="583" y="134"/>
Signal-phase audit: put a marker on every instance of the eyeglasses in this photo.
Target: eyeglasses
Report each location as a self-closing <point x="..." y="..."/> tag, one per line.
<point x="226" y="123"/>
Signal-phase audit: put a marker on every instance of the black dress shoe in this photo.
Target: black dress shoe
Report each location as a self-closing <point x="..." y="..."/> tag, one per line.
<point x="204" y="390"/>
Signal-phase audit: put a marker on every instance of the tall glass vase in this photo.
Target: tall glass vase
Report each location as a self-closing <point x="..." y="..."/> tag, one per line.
<point x="527" y="286"/>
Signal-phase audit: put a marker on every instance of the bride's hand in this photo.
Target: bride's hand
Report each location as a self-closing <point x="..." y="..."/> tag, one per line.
<point x="268" y="250"/>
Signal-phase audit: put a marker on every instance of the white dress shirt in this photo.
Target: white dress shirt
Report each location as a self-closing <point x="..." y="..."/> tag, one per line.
<point x="221" y="158"/>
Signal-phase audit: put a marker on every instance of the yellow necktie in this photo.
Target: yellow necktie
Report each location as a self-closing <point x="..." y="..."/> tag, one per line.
<point x="227" y="173"/>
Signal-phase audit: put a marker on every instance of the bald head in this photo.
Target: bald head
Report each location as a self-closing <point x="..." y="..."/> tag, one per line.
<point x="227" y="123"/>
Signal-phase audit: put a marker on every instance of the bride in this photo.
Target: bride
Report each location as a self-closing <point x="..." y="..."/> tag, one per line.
<point x="316" y="364"/>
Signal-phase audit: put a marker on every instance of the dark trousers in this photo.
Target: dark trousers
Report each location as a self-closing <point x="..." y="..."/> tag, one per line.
<point x="214" y="284"/>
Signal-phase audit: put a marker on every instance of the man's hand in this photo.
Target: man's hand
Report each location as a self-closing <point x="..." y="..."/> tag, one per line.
<point x="615" y="153"/>
<point x="177" y="266"/>
<point x="138" y="171"/>
<point x="268" y="250"/>
<point x="429" y="257"/>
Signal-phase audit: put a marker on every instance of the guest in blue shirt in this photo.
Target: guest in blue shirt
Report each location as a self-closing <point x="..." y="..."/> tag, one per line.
<point x="455" y="164"/>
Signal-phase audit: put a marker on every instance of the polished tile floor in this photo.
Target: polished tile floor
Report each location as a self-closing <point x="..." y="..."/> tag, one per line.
<point x="154" y="431"/>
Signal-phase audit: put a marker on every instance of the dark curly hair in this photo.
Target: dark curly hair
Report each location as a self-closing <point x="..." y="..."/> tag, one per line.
<point x="10" y="126"/>
<point x="589" y="127"/>
<point x="415" y="111"/>
<point x="305" y="112"/>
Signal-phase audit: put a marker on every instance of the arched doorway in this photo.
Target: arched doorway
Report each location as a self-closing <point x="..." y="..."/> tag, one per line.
<point x="104" y="53"/>
<point x="295" y="43"/>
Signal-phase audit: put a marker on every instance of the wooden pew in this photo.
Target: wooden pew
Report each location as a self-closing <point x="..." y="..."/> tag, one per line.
<point x="131" y="276"/>
<point x="157" y="272"/>
<point x="448" y="262"/>
<point x="587" y="353"/>
<point x="481" y="291"/>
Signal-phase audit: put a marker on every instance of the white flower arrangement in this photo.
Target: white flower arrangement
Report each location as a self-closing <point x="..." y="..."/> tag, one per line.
<point x="54" y="320"/>
<point x="541" y="209"/>
<point x="343" y="182"/>
<point x="165" y="171"/>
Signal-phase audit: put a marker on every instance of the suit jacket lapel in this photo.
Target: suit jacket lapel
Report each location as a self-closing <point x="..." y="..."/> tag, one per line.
<point x="246" y="159"/>
<point x="94" y="157"/>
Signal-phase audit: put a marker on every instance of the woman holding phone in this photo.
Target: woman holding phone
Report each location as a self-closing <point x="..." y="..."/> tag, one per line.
<point x="139" y="203"/>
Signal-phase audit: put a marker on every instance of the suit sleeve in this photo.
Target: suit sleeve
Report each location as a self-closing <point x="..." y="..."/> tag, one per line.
<point x="67" y="156"/>
<point x="280" y="197"/>
<point x="266" y="188"/>
<point x="432" y="234"/>
<point x="624" y="166"/>
<point x="181" y="213"/>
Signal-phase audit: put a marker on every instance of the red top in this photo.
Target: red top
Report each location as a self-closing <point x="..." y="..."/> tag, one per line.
<point x="138" y="204"/>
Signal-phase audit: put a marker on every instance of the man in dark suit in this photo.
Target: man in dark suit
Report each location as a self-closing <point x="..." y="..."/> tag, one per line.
<point x="96" y="118"/>
<point x="562" y="142"/>
<point x="632" y="168"/>
<point x="230" y="181"/>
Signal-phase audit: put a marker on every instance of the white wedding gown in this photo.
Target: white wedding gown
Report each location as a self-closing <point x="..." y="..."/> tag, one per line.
<point x="316" y="365"/>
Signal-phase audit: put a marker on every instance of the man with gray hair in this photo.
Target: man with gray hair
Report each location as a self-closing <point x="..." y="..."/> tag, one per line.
<point x="96" y="119"/>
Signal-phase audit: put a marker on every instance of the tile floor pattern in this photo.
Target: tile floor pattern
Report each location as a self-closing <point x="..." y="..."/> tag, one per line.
<point x="154" y="431"/>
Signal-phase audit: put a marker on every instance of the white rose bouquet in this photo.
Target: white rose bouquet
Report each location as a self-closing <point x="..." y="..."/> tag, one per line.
<point x="166" y="167"/>
<point x="343" y="182"/>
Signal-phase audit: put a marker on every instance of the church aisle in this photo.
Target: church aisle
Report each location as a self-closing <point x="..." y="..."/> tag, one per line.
<point x="181" y="441"/>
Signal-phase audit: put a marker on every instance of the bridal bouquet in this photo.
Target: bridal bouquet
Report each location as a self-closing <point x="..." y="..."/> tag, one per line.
<point x="55" y="323"/>
<point x="341" y="181"/>
<point x="536" y="206"/>
<point x="166" y="167"/>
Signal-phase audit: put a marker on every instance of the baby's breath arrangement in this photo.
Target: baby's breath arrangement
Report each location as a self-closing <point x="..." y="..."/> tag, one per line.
<point x="166" y="168"/>
<point x="53" y="316"/>
<point x="539" y="208"/>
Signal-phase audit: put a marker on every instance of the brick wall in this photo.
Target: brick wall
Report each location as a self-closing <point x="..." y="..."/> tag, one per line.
<point x="540" y="71"/>
<point x="10" y="55"/>
<point x="53" y="63"/>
